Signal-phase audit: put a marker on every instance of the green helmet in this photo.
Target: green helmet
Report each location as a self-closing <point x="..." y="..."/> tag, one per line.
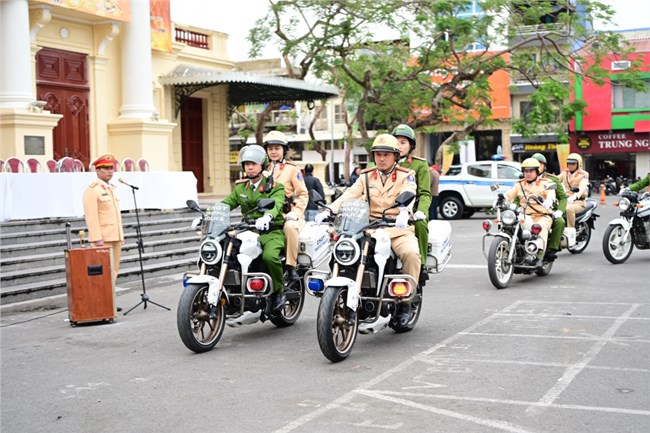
<point x="539" y="157"/>
<point x="405" y="131"/>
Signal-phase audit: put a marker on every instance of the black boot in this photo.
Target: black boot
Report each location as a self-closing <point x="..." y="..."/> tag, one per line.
<point x="277" y="301"/>
<point x="403" y="313"/>
<point x="424" y="277"/>
<point x="550" y="255"/>
<point x="290" y="276"/>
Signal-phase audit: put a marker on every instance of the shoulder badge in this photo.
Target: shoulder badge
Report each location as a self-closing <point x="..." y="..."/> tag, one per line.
<point x="94" y="184"/>
<point x="419" y="159"/>
<point x="404" y="169"/>
<point x="238" y="181"/>
<point x="300" y="177"/>
<point x="291" y="163"/>
<point x="368" y="170"/>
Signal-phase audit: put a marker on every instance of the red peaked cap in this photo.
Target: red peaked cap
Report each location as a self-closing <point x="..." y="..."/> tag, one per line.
<point x="107" y="160"/>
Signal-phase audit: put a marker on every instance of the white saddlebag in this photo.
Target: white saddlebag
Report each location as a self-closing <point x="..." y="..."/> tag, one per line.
<point x="439" y="248"/>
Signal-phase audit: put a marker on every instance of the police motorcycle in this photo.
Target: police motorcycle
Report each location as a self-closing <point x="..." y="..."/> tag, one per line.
<point x="631" y="229"/>
<point x="516" y="244"/>
<point x="584" y="225"/>
<point x="367" y="285"/>
<point x="233" y="286"/>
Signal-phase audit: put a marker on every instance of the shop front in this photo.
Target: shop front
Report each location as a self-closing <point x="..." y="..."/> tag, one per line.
<point x="547" y="145"/>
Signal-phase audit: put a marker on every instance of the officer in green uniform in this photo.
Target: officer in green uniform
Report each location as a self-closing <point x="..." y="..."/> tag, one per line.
<point x="406" y="140"/>
<point x="638" y="186"/>
<point x="557" y="229"/>
<point x="247" y="192"/>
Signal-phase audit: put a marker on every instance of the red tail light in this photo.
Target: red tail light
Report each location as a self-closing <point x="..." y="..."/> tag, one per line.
<point x="536" y="229"/>
<point x="399" y="288"/>
<point x="256" y="284"/>
<point x="487" y="225"/>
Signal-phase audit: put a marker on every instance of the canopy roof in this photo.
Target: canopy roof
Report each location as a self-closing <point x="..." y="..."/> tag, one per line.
<point x="243" y="88"/>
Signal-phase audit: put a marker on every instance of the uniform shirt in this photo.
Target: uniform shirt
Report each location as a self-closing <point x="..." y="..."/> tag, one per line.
<point x="102" y="212"/>
<point x="560" y="194"/>
<point x="288" y="174"/>
<point x="382" y="194"/>
<point x="579" y="179"/>
<point x="246" y="196"/>
<point x="638" y="186"/>
<point x="522" y="190"/>
<point x="422" y="179"/>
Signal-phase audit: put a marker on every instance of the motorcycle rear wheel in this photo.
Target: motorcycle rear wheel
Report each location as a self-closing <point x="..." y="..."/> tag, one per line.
<point x="292" y="309"/>
<point x="545" y="269"/>
<point x="335" y="336"/>
<point x="416" y="309"/>
<point x="198" y="332"/>
<point x="616" y="248"/>
<point x="499" y="271"/>
<point x="583" y="231"/>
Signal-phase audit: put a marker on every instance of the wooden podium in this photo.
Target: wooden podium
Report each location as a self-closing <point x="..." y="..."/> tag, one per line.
<point x="89" y="280"/>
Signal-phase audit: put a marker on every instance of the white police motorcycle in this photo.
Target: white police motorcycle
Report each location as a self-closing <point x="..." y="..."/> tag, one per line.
<point x="631" y="229"/>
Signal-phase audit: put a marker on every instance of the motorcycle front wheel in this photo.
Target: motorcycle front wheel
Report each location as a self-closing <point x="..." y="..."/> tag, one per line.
<point x="416" y="309"/>
<point x="197" y="330"/>
<point x="499" y="270"/>
<point x="292" y="309"/>
<point x="335" y="336"/>
<point x="583" y="236"/>
<point x="617" y="247"/>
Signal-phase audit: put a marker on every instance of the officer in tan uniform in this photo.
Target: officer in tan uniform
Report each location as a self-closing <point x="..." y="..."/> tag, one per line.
<point x="574" y="177"/>
<point x="533" y="184"/>
<point x="386" y="180"/>
<point x="296" y="197"/>
<point x="102" y="211"/>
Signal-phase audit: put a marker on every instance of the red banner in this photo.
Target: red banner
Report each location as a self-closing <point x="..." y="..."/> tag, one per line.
<point x="610" y="142"/>
<point x="161" y="25"/>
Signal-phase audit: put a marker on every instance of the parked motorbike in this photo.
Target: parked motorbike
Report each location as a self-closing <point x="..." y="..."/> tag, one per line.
<point x="367" y="285"/>
<point x="631" y="229"/>
<point x="584" y="225"/>
<point x="516" y="243"/>
<point x="233" y="286"/>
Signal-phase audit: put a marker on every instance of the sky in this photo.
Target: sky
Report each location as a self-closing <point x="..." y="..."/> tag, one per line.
<point x="236" y="17"/>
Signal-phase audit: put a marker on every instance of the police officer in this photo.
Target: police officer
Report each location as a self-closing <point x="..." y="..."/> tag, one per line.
<point x="247" y="192"/>
<point x="557" y="229"/>
<point x="638" y="186"/>
<point x="296" y="197"/>
<point x="574" y="177"/>
<point x="533" y="184"/>
<point x="383" y="183"/>
<point x="102" y="211"/>
<point x="406" y="141"/>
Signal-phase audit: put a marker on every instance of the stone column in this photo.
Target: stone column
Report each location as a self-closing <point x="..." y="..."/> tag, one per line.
<point x="137" y="87"/>
<point x="15" y="62"/>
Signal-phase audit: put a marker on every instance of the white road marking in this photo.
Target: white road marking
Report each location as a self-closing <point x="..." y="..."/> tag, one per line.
<point x="564" y="316"/>
<point x="457" y="266"/>
<point x="560" y="337"/>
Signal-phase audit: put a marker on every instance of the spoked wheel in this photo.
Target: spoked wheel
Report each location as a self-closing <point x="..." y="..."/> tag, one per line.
<point x="198" y="331"/>
<point x="499" y="269"/>
<point x="583" y="236"/>
<point x="335" y="336"/>
<point x="545" y="269"/>
<point x="416" y="309"/>
<point x="617" y="246"/>
<point x="292" y="309"/>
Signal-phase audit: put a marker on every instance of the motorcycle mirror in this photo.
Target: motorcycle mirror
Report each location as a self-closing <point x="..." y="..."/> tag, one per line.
<point x="315" y="197"/>
<point x="193" y="205"/>
<point x="266" y="204"/>
<point x="404" y="199"/>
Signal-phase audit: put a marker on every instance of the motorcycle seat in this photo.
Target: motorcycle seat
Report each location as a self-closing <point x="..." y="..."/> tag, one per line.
<point x="589" y="205"/>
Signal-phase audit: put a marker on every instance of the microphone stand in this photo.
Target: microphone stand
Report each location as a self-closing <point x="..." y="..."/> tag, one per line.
<point x="144" y="298"/>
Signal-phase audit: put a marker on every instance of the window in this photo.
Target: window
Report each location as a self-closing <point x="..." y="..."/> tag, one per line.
<point x="480" y="170"/>
<point x="620" y="65"/>
<point x="624" y="97"/>
<point x="339" y="114"/>
<point x="507" y="172"/>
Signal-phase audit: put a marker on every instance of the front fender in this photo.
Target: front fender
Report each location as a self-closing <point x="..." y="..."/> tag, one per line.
<point x="353" y="292"/>
<point x="214" y="286"/>
<point x="624" y="222"/>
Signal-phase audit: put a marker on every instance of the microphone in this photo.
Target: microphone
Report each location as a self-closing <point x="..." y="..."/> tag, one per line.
<point x="127" y="184"/>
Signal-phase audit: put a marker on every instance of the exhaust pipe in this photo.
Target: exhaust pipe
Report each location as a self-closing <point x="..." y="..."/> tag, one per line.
<point x="246" y="318"/>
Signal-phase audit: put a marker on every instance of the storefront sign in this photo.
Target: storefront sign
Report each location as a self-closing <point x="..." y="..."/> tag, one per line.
<point x="610" y="142"/>
<point x="533" y="147"/>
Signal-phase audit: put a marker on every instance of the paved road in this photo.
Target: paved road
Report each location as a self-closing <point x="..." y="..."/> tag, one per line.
<point x="564" y="353"/>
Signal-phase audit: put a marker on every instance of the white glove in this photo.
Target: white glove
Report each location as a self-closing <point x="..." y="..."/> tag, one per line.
<point x="547" y="203"/>
<point x="557" y="214"/>
<point x="572" y="198"/>
<point x="262" y="223"/>
<point x="291" y="216"/>
<point x="419" y="215"/>
<point x="320" y="217"/>
<point x="623" y="190"/>
<point x="402" y="220"/>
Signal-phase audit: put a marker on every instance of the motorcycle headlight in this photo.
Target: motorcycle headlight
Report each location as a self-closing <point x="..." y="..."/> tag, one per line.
<point x="508" y="218"/>
<point x="346" y="252"/>
<point x="210" y="252"/>
<point x="624" y="204"/>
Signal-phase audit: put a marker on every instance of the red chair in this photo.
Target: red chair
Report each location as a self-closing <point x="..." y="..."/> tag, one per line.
<point x="65" y="165"/>
<point x="78" y="166"/>
<point x="143" y="164"/>
<point x="128" y="164"/>
<point x="14" y="165"/>
<point x="51" y="165"/>
<point x="34" y="165"/>
<point x="2" y="165"/>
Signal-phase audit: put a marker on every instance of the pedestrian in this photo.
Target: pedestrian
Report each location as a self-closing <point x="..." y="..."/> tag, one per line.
<point x="435" y="186"/>
<point x="313" y="184"/>
<point x="354" y="176"/>
<point x="102" y="211"/>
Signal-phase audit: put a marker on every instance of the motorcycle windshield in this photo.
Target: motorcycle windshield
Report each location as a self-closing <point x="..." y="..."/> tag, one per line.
<point x="216" y="220"/>
<point x="352" y="217"/>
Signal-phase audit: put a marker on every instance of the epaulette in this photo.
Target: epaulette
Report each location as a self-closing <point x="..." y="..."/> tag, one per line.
<point x="291" y="163"/>
<point x="94" y="184"/>
<point x="240" y="181"/>
<point x="368" y="170"/>
<point x="406" y="170"/>
<point x="419" y="158"/>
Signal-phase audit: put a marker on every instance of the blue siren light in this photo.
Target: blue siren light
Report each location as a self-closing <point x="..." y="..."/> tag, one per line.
<point x="316" y="285"/>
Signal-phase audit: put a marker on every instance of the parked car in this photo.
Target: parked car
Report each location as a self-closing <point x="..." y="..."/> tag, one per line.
<point x="465" y="188"/>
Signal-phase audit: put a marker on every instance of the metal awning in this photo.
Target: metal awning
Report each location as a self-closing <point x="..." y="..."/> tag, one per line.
<point x="243" y="88"/>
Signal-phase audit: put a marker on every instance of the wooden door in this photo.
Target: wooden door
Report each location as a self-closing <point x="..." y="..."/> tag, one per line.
<point x="61" y="81"/>
<point x="192" y="138"/>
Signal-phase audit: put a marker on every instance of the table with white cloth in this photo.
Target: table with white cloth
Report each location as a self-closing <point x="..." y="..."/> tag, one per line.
<point x="52" y="195"/>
